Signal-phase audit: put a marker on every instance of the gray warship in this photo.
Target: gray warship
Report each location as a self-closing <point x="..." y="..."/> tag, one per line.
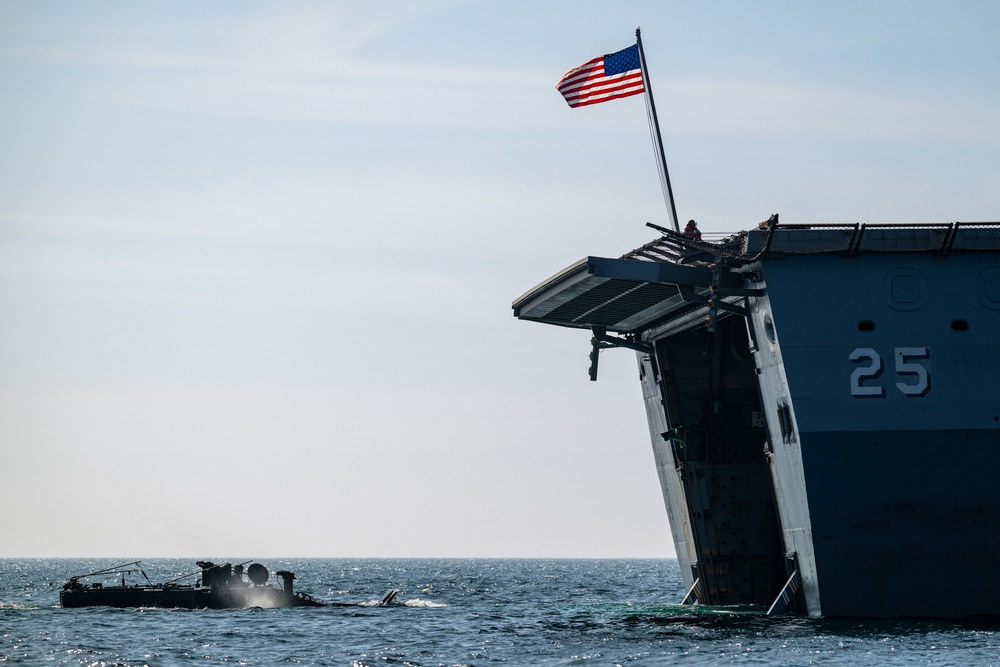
<point x="821" y="407"/>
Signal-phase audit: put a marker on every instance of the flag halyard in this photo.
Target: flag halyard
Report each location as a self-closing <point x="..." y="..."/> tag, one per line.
<point x="605" y="78"/>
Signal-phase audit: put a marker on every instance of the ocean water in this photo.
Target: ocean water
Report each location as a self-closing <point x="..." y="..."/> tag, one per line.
<point x="459" y="612"/>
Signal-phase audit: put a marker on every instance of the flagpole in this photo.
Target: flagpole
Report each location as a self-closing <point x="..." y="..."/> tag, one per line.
<point x="655" y="126"/>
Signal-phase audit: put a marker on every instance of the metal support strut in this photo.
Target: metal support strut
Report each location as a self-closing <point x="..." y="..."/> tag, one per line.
<point x="602" y="341"/>
<point x="786" y="596"/>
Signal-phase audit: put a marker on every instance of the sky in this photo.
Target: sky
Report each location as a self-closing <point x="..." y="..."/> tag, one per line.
<point x="257" y="259"/>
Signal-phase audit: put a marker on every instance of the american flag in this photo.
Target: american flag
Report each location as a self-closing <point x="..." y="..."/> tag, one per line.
<point x="604" y="78"/>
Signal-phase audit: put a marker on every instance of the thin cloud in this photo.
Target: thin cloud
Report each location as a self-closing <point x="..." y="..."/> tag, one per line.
<point x="762" y="108"/>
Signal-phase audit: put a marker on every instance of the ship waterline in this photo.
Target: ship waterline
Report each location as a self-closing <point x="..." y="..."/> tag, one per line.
<point x="820" y="406"/>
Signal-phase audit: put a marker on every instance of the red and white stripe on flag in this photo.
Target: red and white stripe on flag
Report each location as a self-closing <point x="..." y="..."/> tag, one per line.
<point x="607" y="77"/>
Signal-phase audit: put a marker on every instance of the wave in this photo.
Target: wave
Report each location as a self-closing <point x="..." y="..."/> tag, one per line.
<point x="424" y="604"/>
<point x="20" y="605"/>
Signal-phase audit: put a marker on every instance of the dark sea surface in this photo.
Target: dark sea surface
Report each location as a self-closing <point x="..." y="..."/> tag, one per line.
<point x="459" y="612"/>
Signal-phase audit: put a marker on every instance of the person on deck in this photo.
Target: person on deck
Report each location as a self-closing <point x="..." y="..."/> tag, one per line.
<point x="692" y="231"/>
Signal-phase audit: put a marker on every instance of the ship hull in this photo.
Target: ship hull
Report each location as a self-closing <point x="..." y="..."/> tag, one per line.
<point x="221" y="587"/>
<point x="903" y="523"/>
<point x="822" y="408"/>
<point x="183" y="597"/>
<point x="876" y="374"/>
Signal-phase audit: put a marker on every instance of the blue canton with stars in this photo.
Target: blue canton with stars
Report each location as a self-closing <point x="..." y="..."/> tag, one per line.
<point x="622" y="61"/>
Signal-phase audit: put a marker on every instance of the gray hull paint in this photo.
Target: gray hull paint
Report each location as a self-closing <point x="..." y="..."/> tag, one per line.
<point x="899" y="447"/>
<point x="905" y="524"/>
<point x="835" y="416"/>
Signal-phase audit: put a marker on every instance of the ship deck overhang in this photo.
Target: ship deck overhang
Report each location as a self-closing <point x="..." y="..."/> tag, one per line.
<point x="619" y="295"/>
